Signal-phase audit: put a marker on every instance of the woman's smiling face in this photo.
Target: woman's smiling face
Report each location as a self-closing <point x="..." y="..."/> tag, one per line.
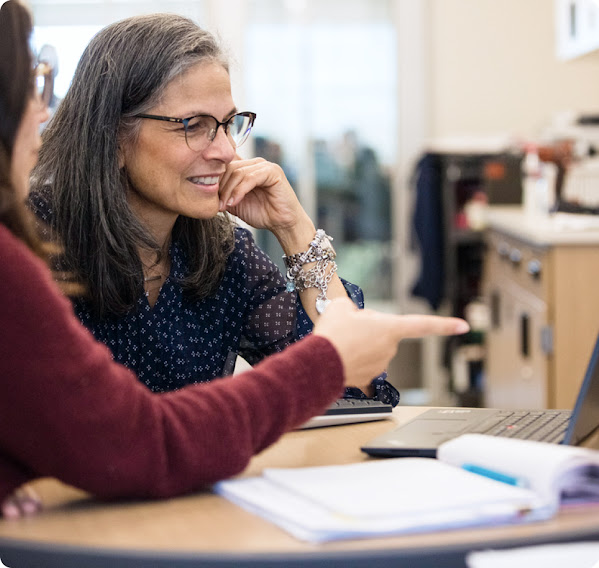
<point x="167" y="178"/>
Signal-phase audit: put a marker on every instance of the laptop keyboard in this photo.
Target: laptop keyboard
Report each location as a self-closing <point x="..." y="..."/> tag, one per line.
<point x="357" y="406"/>
<point x="541" y="425"/>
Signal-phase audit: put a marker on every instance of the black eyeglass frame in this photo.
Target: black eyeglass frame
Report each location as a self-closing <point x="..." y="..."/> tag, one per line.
<point x="185" y="122"/>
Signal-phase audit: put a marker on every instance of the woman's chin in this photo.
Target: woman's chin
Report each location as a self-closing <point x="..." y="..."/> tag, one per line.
<point x="208" y="210"/>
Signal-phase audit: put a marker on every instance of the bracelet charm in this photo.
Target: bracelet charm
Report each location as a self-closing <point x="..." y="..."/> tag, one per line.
<point x="320" y="275"/>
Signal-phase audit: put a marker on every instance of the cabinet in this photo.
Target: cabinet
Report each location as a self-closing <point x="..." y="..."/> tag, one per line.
<point x="469" y="181"/>
<point x="540" y="283"/>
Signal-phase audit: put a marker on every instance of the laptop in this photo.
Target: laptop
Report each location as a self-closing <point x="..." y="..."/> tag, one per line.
<point x="350" y="411"/>
<point x="422" y="435"/>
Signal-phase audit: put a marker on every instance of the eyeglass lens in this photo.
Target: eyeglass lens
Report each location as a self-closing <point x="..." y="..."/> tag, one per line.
<point x="201" y="130"/>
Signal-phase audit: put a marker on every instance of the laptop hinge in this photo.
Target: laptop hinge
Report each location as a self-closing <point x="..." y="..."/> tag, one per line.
<point x="547" y="339"/>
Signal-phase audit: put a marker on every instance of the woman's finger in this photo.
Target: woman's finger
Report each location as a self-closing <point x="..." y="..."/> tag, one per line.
<point x="23" y="502"/>
<point x="30" y="501"/>
<point x="412" y="326"/>
<point x="10" y="509"/>
<point x="235" y="173"/>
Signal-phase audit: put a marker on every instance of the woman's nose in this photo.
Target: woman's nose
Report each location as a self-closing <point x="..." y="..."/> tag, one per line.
<point x="220" y="148"/>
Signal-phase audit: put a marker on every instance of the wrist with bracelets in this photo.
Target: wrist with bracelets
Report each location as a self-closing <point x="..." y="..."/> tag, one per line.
<point x="323" y="255"/>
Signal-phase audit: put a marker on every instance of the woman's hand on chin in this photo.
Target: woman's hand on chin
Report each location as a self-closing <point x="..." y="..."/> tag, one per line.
<point x="259" y="193"/>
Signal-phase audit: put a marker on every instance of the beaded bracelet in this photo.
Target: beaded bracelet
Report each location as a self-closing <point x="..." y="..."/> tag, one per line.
<point x="322" y="253"/>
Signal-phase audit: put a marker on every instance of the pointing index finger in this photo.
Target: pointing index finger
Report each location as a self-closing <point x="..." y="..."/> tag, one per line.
<point x="412" y="326"/>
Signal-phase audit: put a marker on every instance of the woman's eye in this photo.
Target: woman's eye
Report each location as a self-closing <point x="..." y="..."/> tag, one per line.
<point x="199" y="124"/>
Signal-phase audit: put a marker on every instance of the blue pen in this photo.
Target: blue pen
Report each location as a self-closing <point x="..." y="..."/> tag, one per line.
<point x="496" y="475"/>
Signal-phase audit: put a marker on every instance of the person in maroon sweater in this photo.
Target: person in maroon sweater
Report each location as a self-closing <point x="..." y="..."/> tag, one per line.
<point x="67" y="410"/>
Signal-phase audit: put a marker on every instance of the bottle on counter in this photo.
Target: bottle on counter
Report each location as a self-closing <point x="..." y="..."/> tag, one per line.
<point x="476" y="211"/>
<point x="538" y="184"/>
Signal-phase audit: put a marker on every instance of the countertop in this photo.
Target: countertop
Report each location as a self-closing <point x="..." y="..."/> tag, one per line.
<point x="544" y="230"/>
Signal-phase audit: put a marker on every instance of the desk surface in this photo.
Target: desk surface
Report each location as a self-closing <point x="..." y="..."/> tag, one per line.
<point x="205" y="529"/>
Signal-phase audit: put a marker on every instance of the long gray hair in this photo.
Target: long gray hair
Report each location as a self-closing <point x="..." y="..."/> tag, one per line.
<point x="123" y="72"/>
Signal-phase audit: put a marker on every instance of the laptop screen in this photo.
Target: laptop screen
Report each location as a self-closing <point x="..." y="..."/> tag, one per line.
<point x="585" y="417"/>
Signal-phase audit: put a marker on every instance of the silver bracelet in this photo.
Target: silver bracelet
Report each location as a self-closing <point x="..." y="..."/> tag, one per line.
<point x="319" y="249"/>
<point x="322" y="253"/>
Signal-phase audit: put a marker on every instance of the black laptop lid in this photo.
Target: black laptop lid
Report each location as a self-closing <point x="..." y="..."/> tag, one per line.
<point x="585" y="416"/>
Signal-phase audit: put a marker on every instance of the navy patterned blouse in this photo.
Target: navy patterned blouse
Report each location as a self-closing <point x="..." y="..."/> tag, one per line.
<point x="182" y="340"/>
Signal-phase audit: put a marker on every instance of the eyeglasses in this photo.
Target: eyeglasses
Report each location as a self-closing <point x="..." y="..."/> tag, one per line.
<point x="201" y="130"/>
<point x="43" y="76"/>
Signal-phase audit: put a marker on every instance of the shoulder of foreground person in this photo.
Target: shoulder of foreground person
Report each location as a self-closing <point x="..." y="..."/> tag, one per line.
<point x="68" y="411"/>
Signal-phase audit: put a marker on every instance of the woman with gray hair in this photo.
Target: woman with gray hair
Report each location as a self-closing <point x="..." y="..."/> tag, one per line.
<point x="67" y="410"/>
<point x="137" y="176"/>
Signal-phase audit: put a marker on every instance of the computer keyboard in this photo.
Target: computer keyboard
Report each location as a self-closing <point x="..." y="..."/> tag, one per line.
<point x="542" y="425"/>
<point x="350" y="411"/>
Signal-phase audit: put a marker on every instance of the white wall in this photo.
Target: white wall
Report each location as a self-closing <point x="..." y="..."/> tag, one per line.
<point x="494" y="68"/>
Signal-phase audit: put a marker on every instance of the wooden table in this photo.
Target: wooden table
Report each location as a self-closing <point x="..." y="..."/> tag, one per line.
<point x="206" y="530"/>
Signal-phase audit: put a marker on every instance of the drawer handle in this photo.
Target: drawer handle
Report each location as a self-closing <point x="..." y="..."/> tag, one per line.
<point x="495" y="310"/>
<point x="535" y="268"/>
<point x="524" y="335"/>
<point x="503" y="250"/>
<point x="515" y="256"/>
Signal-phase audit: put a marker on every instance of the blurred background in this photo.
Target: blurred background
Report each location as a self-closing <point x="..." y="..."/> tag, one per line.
<point x="351" y="95"/>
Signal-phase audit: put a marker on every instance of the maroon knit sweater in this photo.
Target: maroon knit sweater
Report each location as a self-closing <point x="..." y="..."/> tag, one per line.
<point x="67" y="410"/>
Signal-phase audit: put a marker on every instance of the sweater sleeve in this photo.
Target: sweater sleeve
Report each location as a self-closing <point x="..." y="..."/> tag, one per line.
<point x="69" y="411"/>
